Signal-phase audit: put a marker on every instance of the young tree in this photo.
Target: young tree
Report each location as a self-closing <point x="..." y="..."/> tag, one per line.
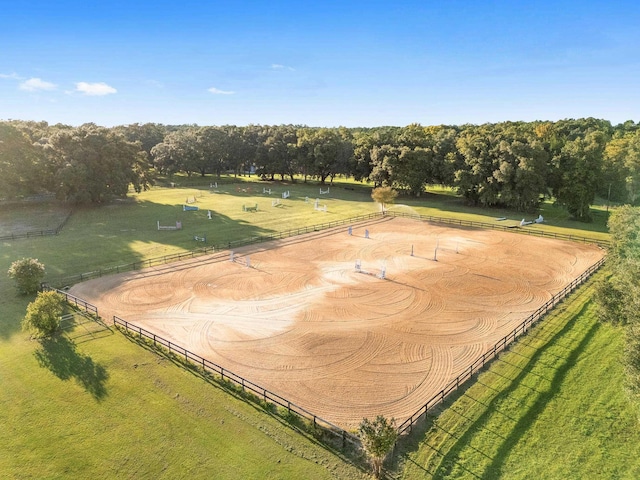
<point x="43" y="314"/>
<point x="27" y="273"/>
<point x="384" y="196"/>
<point x="378" y="438"/>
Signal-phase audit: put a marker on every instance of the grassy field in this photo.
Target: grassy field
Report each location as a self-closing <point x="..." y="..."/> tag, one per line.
<point x="93" y="404"/>
<point x="553" y="407"/>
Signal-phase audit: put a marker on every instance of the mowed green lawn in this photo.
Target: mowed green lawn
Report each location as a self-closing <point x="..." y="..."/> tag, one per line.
<point x="553" y="407"/>
<point x="96" y="405"/>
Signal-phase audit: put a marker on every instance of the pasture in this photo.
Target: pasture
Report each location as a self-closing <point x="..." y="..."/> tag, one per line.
<point x="154" y="420"/>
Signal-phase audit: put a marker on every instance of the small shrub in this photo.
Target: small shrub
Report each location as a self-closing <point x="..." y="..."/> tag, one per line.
<point x="43" y="314"/>
<point x="28" y="274"/>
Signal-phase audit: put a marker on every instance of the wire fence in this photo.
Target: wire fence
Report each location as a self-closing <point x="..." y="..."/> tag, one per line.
<point x="500" y="346"/>
<point x="246" y="385"/>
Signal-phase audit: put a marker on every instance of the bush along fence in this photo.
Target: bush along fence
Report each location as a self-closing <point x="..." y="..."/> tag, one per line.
<point x="229" y="245"/>
<point x="38" y="233"/>
<point x="75" y="301"/>
<point x="492" y="353"/>
<point x="337" y="433"/>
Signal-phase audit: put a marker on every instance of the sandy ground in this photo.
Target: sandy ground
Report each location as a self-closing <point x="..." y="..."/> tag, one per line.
<point x="303" y="323"/>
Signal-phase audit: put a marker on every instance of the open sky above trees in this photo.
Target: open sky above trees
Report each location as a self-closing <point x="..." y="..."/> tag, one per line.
<point x="324" y="63"/>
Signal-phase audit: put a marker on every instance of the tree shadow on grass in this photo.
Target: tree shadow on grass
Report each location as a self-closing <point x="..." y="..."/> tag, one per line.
<point x="450" y="458"/>
<point x="59" y="355"/>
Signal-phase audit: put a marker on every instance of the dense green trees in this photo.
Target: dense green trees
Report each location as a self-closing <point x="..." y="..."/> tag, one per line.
<point x="509" y="164"/>
<point x="618" y="295"/>
<point x="87" y="164"/>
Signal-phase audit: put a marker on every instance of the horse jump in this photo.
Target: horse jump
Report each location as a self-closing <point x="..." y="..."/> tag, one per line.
<point x="178" y="226"/>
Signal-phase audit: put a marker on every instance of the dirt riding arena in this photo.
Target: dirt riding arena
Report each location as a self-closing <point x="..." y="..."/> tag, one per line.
<point x="301" y="321"/>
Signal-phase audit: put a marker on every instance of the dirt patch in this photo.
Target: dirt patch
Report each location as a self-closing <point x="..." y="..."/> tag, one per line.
<point x="302" y="322"/>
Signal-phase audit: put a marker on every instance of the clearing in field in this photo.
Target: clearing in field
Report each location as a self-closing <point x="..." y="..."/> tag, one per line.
<point x="297" y="317"/>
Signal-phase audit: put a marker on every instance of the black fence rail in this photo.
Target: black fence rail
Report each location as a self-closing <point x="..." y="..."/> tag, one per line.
<point x="38" y="233"/>
<point x="208" y="250"/>
<point x="246" y="385"/>
<point x="531" y="229"/>
<point x="230" y="245"/>
<point x="500" y="346"/>
<point x="73" y="300"/>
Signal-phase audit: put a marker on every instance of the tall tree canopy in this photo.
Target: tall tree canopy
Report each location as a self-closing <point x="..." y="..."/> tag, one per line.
<point x="508" y="164"/>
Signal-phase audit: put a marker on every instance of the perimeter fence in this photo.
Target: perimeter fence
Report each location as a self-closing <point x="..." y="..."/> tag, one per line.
<point x="500" y="346"/>
<point x="229" y="245"/>
<point x="76" y="301"/>
<point x="38" y="233"/>
<point x="275" y="399"/>
<point x="247" y="386"/>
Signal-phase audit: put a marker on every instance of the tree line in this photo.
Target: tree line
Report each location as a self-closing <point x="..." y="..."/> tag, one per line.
<point x="618" y="293"/>
<point x="508" y="164"/>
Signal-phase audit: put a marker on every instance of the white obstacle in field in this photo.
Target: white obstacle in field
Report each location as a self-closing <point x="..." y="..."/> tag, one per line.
<point x="250" y="209"/>
<point x="177" y="226"/>
<point x="383" y="272"/>
<point x="381" y="275"/>
<point x="209" y="214"/>
<point x="191" y="199"/>
<point x="199" y="238"/>
<point x="266" y="190"/>
<point x="286" y="194"/>
<point x="325" y="192"/>
<point x="319" y="208"/>
<point x="540" y="219"/>
<point x="306" y="199"/>
<point x="275" y="203"/>
<point x="213" y="185"/>
<point x="246" y="261"/>
<point x="523" y="222"/>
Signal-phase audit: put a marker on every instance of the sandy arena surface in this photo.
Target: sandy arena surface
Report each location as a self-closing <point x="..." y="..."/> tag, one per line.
<point x="303" y="323"/>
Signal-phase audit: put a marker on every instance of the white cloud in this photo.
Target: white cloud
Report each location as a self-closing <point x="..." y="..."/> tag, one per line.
<point x="217" y="91"/>
<point x="95" y="89"/>
<point x="35" y="84"/>
<point x="13" y="76"/>
<point x="279" y="66"/>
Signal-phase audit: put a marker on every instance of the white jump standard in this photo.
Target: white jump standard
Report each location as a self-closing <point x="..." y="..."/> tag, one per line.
<point x="178" y="226"/>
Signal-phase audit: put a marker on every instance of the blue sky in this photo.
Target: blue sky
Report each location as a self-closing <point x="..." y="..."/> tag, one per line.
<point x="350" y="63"/>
